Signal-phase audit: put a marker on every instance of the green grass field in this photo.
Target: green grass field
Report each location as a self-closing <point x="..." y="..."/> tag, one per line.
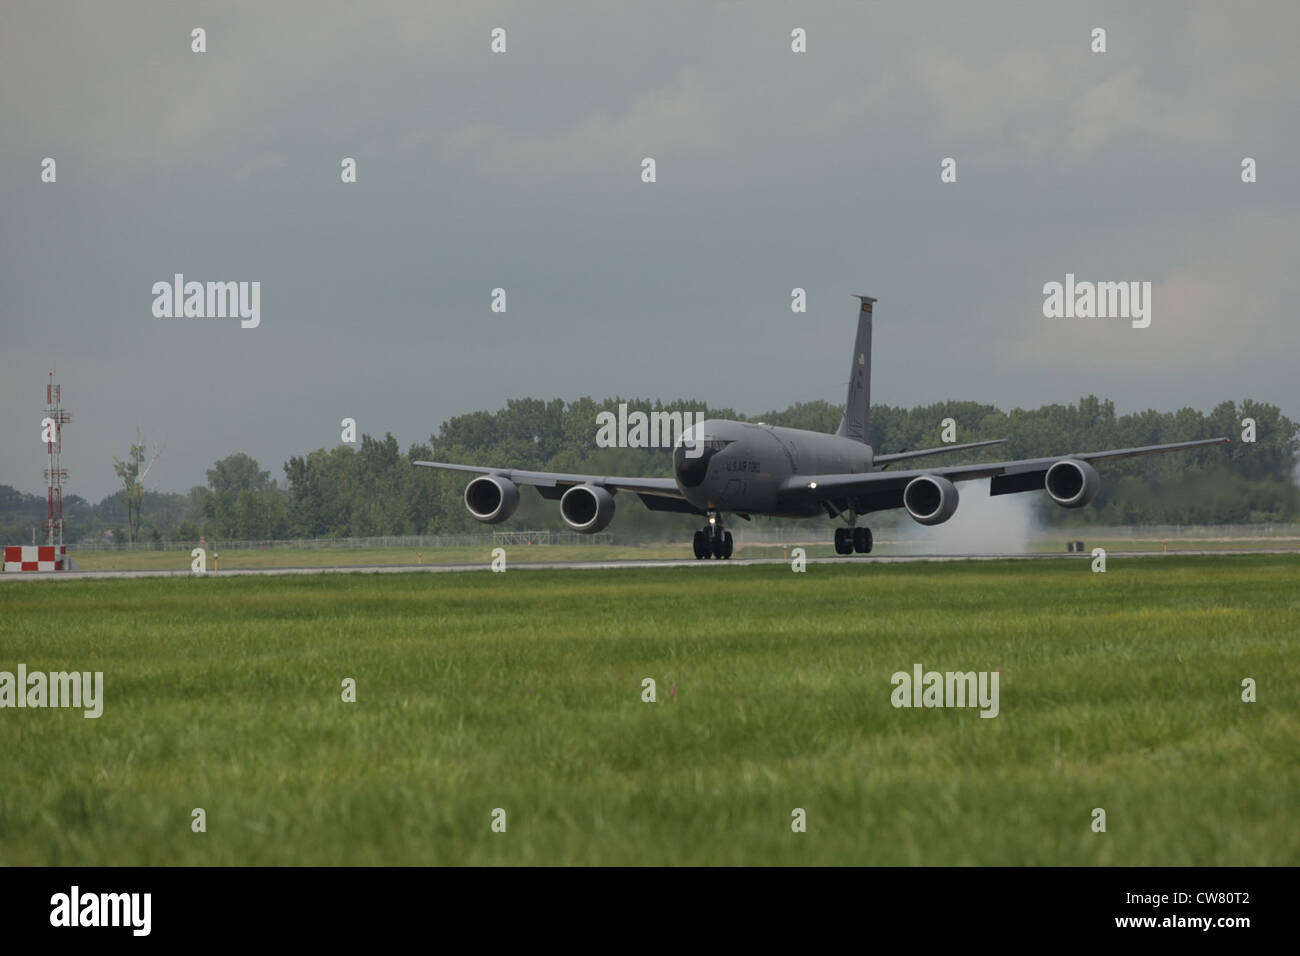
<point x="523" y="691"/>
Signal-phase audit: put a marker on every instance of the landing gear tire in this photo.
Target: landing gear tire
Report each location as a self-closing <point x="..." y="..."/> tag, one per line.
<point x="862" y="540"/>
<point x="719" y="547"/>
<point x="713" y="541"/>
<point x="843" y="540"/>
<point x="701" y="545"/>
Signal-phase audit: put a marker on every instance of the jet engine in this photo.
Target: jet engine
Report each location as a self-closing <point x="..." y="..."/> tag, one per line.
<point x="1072" y="483"/>
<point x="491" y="498"/>
<point x="930" y="499"/>
<point x="587" y="508"/>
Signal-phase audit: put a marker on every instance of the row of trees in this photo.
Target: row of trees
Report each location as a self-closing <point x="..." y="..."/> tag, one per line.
<point x="1241" y="482"/>
<point x="375" y="489"/>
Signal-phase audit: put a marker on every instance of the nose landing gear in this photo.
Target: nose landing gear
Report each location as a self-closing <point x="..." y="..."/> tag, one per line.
<point x="712" y="541"/>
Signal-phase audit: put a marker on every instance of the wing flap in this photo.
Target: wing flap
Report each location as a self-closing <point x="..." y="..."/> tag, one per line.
<point x="664" y="503"/>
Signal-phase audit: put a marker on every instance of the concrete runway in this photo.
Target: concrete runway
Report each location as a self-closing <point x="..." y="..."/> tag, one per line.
<point x="612" y="565"/>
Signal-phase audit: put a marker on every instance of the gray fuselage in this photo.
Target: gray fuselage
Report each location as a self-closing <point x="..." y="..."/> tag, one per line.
<point x="743" y="464"/>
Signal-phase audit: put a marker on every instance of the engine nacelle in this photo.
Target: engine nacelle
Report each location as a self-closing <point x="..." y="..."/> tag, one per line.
<point x="1072" y="483"/>
<point x="491" y="498"/>
<point x="930" y="499"/>
<point x="587" y="508"/>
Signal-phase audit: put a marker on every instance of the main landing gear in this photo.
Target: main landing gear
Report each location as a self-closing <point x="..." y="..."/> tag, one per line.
<point x="849" y="540"/>
<point x="711" y="541"/>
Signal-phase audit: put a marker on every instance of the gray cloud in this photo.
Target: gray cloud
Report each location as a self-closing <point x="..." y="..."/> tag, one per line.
<point x="775" y="170"/>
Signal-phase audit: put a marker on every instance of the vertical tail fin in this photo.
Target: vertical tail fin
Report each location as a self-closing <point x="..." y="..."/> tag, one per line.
<point x="857" y="406"/>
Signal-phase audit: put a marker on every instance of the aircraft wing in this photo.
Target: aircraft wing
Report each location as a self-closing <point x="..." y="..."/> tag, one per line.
<point x="880" y="490"/>
<point x="558" y="482"/>
<point x="925" y="452"/>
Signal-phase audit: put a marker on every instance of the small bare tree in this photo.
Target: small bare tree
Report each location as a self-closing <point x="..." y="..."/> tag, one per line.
<point x="132" y="471"/>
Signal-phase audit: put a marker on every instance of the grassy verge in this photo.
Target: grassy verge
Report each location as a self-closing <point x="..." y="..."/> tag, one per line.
<point x="522" y="691"/>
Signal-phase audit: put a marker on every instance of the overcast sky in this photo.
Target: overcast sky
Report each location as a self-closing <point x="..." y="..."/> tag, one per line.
<point x="523" y="170"/>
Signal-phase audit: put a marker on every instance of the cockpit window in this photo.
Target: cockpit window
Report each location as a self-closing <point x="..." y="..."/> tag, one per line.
<point x="690" y="438"/>
<point x="691" y="458"/>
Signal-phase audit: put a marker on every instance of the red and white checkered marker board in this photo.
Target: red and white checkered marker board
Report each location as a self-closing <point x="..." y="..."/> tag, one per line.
<point x="39" y="557"/>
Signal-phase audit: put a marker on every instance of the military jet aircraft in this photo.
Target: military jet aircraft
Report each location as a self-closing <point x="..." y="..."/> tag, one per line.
<point x="723" y="467"/>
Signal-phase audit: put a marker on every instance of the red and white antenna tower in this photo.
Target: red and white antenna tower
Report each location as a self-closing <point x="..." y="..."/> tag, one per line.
<point x="54" y="472"/>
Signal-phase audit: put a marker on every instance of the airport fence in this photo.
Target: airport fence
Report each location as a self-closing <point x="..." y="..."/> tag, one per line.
<point x="472" y="540"/>
<point x="908" y="533"/>
<point x="1157" y="532"/>
<point x="811" y="532"/>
